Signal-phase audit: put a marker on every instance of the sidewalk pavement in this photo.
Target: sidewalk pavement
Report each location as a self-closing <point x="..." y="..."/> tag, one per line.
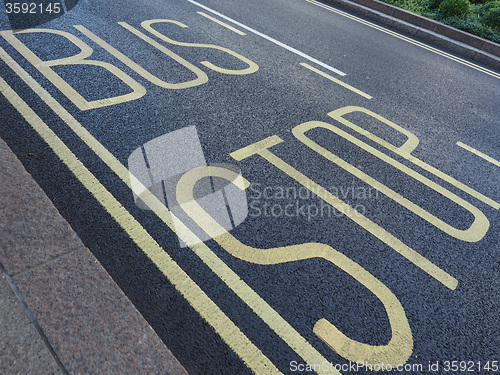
<point x="60" y="312"/>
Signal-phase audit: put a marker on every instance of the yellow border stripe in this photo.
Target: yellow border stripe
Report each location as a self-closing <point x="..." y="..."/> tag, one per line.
<point x="337" y="81"/>
<point x="479" y="153"/>
<point x="221" y="23"/>
<point x="250" y="354"/>
<point x="214" y="316"/>
<point x="407" y="39"/>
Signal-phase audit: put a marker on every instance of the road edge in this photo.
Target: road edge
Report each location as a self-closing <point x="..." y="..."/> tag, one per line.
<point x="440" y="35"/>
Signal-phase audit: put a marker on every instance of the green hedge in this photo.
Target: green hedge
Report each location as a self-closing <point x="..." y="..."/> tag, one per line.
<point x="492" y="13"/>
<point x="451" y="8"/>
<point x="478" y="17"/>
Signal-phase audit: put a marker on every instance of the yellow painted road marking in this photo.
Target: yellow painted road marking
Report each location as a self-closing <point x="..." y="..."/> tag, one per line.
<point x="252" y="67"/>
<point x="407" y="39"/>
<point x="479" y="153"/>
<point x="250" y="354"/>
<point x="272" y="40"/>
<point x="406" y="149"/>
<point x="200" y="79"/>
<point x="395" y="352"/>
<point x="79" y="59"/>
<point x="196" y="297"/>
<point x="222" y="23"/>
<point x="337" y="81"/>
<point x="474" y="233"/>
<point x="262" y="148"/>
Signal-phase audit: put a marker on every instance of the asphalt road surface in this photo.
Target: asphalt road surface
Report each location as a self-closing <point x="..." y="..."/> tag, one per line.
<point x="332" y="185"/>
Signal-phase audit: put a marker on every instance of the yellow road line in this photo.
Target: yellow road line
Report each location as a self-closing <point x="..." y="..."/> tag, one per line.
<point x="479" y="153"/>
<point x="45" y="67"/>
<point x="406" y="150"/>
<point x="337" y="81"/>
<point x="474" y="233"/>
<point x="250" y="354"/>
<point x="400" y="346"/>
<point x="200" y="79"/>
<point x="221" y="23"/>
<point x="196" y="297"/>
<point x="272" y="40"/>
<point x="407" y="39"/>
<point x="262" y="148"/>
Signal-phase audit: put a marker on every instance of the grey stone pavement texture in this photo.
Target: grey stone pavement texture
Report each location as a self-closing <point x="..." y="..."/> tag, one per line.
<point x="60" y="312"/>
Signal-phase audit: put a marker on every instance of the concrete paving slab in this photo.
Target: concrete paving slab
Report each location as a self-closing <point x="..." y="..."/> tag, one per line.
<point x="91" y="325"/>
<point x="81" y="321"/>
<point x="22" y="349"/>
<point x="31" y="229"/>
